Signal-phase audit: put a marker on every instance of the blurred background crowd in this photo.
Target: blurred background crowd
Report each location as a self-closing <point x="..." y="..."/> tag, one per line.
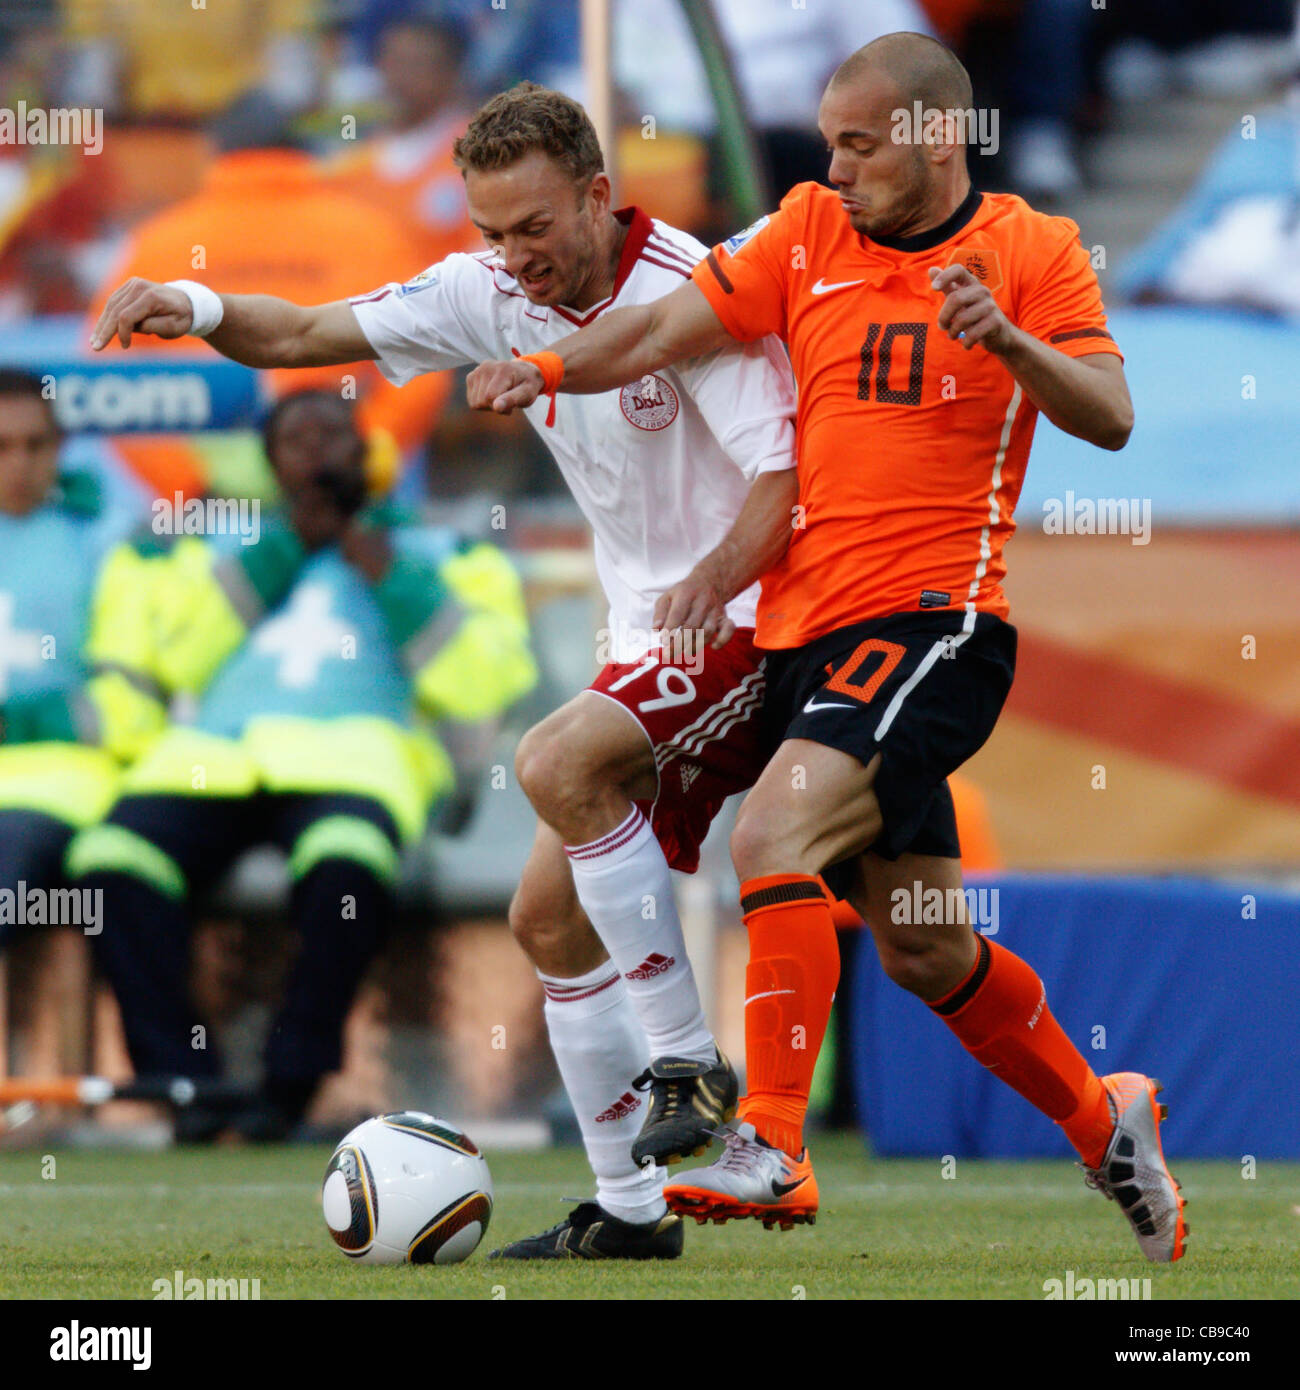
<point x="303" y="148"/>
<point x="293" y="115"/>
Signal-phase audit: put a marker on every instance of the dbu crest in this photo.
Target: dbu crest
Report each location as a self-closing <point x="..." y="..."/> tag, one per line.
<point x="650" y="403"/>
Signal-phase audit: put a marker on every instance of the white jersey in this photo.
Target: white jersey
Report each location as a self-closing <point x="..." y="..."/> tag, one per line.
<point x="660" y="468"/>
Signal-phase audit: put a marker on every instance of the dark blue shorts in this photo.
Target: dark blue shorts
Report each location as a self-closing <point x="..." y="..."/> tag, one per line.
<point x="923" y="690"/>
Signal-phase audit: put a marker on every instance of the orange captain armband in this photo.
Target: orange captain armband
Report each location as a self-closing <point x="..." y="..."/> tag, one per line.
<point x="551" y="366"/>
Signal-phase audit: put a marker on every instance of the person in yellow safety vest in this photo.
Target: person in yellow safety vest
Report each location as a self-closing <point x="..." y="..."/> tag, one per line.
<point x="72" y="707"/>
<point x="304" y="647"/>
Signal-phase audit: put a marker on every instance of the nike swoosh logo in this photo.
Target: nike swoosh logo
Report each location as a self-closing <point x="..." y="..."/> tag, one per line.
<point x="822" y="288"/>
<point x="767" y="994"/>
<point x="815" y="704"/>
<point x="783" y="1189"/>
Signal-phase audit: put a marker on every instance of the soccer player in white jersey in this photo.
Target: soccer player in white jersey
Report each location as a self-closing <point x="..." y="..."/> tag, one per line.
<point x="687" y="479"/>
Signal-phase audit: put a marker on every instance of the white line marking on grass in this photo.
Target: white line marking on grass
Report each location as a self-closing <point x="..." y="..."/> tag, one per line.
<point x="202" y="1189"/>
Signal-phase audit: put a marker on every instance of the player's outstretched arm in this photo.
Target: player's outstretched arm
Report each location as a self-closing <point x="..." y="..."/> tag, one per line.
<point x="619" y="347"/>
<point x="258" y="330"/>
<point x="756" y="541"/>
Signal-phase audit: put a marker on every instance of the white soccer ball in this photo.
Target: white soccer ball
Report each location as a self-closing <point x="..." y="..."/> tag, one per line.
<point x="407" y="1187"/>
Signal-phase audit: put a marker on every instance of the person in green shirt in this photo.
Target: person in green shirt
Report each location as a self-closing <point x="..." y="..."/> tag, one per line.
<point x="319" y="675"/>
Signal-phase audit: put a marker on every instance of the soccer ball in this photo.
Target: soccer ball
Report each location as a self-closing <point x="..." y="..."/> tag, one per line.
<point x="407" y="1187"/>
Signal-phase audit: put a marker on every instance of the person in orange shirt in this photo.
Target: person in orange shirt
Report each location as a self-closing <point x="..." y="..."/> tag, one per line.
<point x="265" y="222"/>
<point x="408" y="170"/>
<point x="928" y="325"/>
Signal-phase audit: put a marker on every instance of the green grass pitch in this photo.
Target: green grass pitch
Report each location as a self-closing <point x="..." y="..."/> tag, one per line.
<point x="106" y="1225"/>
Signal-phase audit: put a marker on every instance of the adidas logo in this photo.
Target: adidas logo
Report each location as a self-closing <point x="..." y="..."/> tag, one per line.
<point x="689" y="771"/>
<point x="622" y="1107"/>
<point x="654" y="964"/>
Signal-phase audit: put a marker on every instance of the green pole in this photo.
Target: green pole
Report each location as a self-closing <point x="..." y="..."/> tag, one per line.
<point x="742" y="163"/>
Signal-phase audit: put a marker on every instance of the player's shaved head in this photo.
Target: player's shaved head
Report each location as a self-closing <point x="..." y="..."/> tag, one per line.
<point x="920" y="67"/>
<point x="894" y="116"/>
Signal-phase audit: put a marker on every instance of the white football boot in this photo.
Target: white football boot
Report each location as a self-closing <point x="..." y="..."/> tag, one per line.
<point x="1133" y="1171"/>
<point x="750" y="1179"/>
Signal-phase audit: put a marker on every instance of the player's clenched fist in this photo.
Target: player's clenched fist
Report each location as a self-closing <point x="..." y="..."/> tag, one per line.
<point x="503" y="386"/>
<point x="969" y="311"/>
<point x="141" y="306"/>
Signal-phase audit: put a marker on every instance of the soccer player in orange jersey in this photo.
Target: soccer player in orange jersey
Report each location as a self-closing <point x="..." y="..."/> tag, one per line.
<point x="928" y="326"/>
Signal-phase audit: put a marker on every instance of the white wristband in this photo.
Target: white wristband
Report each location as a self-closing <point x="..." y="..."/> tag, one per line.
<point x="205" y="305"/>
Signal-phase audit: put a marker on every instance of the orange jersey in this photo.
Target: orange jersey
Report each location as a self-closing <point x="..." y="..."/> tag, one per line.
<point x="412" y="177"/>
<point x="912" y="449"/>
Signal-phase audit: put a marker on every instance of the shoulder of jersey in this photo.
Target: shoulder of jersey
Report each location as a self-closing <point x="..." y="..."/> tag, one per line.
<point x="806" y="199"/>
<point x="671" y="249"/>
<point x="487" y="259"/>
<point x="799" y="204"/>
<point x="1011" y="210"/>
<point x="476" y="270"/>
<point x="478" y="262"/>
<point x="450" y="268"/>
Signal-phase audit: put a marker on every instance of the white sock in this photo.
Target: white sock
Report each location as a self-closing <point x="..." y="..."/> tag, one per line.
<point x="625" y="887"/>
<point x="600" y="1048"/>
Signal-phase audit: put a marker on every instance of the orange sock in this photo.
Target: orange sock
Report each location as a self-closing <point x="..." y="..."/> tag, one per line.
<point x="999" y="1012"/>
<point x="794" y="966"/>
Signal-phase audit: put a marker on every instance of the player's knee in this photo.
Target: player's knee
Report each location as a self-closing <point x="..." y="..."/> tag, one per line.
<point x="552" y="933"/>
<point x="910" y="970"/>
<point x="536" y="929"/>
<point x="539" y="762"/>
<point x="528" y="757"/>
<point x="924" y="967"/>
<point x="758" y="845"/>
<point x="557" y="773"/>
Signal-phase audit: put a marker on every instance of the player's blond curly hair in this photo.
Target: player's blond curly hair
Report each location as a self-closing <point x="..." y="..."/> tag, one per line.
<point x="527" y="118"/>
